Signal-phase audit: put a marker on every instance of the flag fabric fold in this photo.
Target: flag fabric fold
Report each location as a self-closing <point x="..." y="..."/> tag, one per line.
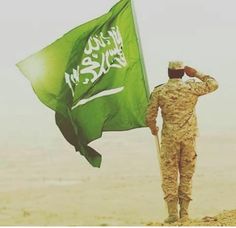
<point x="93" y="78"/>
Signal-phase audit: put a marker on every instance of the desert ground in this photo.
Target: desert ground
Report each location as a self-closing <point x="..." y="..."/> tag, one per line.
<point x="44" y="182"/>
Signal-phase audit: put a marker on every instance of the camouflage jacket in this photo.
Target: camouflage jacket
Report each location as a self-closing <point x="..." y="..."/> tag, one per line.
<point x="177" y="101"/>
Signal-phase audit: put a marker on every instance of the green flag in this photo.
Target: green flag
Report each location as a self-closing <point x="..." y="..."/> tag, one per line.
<point x="94" y="79"/>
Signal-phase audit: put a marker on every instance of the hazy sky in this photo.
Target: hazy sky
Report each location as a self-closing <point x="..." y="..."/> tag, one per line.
<point x="202" y="33"/>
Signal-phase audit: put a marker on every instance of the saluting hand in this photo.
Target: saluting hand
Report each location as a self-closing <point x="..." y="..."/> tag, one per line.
<point x="191" y="72"/>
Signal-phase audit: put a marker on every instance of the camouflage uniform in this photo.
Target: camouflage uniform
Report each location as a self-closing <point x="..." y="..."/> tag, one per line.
<point x="177" y="100"/>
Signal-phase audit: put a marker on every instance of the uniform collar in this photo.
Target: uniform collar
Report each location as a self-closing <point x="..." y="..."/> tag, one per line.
<point x="175" y="80"/>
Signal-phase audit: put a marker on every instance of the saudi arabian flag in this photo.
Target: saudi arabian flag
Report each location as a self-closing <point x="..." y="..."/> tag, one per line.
<point x="94" y="79"/>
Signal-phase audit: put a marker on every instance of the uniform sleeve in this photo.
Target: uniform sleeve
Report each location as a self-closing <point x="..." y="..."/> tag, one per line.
<point x="152" y="110"/>
<point x="207" y="85"/>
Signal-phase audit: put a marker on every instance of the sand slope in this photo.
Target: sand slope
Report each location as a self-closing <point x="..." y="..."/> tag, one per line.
<point x="226" y="218"/>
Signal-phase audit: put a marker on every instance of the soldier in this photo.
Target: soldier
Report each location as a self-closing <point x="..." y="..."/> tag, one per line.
<point x="177" y="100"/>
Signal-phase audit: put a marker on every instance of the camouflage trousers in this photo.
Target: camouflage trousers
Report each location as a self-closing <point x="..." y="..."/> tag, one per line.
<point x="177" y="162"/>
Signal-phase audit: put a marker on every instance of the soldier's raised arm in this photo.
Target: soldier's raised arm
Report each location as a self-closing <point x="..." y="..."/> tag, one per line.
<point x="207" y="85"/>
<point x="152" y="111"/>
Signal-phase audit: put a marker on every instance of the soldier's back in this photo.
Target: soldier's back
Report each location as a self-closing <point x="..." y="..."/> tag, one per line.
<point x="177" y="104"/>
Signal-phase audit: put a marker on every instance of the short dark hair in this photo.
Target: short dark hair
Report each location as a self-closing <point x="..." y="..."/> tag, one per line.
<point x="175" y="73"/>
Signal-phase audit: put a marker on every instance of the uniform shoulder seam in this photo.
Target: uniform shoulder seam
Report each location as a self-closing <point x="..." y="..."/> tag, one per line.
<point x="156" y="89"/>
<point x="158" y="86"/>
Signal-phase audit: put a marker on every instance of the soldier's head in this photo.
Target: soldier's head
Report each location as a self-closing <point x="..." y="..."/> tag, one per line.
<point x="176" y="69"/>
